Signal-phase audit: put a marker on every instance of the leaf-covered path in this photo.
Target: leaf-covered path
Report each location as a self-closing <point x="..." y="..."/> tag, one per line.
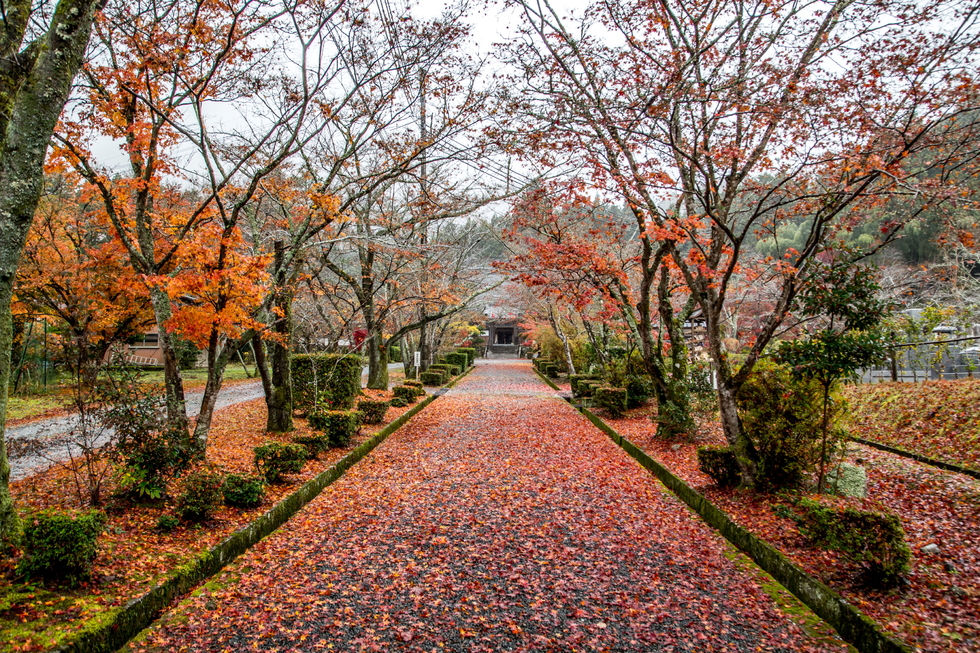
<point x="498" y="519"/>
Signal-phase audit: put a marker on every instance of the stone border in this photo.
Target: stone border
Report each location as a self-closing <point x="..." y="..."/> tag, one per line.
<point x="949" y="467"/>
<point x="852" y="625"/>
<point x="115" y="629"/>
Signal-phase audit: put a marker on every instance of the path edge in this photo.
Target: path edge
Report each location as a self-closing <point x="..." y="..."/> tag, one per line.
<point x="117" y="628"/>
<point x="851" y="624"/>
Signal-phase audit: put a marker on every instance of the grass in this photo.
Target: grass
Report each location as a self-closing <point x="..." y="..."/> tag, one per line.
<point x="27" y="406"/>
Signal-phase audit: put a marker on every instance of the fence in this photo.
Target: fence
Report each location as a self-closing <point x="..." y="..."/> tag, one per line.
<point x="957" y="358"/>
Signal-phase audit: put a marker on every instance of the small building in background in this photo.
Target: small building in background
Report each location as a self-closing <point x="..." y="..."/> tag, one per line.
<point x="504" y="337"/>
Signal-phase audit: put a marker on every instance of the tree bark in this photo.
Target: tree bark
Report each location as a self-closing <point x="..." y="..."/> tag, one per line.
<point x="34" y="85"/>
<point x="172" y="380"/>
<point x="377" y="363"/>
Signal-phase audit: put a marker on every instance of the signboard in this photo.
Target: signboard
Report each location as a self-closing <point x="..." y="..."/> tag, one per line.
<point x="418" y="359"/>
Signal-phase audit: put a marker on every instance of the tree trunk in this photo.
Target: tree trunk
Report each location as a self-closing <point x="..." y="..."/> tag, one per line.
<point x="408" y="359"/>
<point x="425" y="349"/>
<point x="280" y="400"/>
<point x="33" y="92"/>
<point x="556" y="325"/>
<point x="258" y="350"/>
<point x="172" y="381"/>
<point x="377" y="363"/>
<point x="218" y="356"/>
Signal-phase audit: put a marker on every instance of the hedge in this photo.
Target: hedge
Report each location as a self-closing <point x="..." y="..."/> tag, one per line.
<point x="330" y="379"/>
<point x="470" y="354"/>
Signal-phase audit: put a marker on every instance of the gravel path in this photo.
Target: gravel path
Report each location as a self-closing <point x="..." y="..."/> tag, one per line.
<point x="37" y="445"/>
<point x="498" y="519"/>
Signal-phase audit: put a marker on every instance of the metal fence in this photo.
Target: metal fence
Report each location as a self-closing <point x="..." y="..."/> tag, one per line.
<point x="957" y="358"/>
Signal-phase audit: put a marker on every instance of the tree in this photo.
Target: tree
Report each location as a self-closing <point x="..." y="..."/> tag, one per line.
<point x="156" y="85"/>
<point x="717" y="120"/>
<point x="577" y="250"/>
<point x="843" y="300"/>
<point x="74" y="272"/>
<point x="35" y="81"/>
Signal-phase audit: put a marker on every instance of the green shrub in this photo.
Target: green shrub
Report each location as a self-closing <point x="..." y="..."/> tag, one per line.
<point x="374" y="411"/>
<point x="243" y="491"/>
<point x="551" y="371"/>
<point x="399" y="402"/>
<point x="720" y="464"/>
<point x="470" y="353"/>
<point x="432" y="377"/>
<point x="612" y="399"/>
<point x="448" y="369"/>
<point x="333" y="380"/>
<point x="274" y="460"/>
<point x="458" y="359"/>
<point x="315" y="443"/>
<point x="782" y="417"/>
<point x="340" y="426"/>
<point x="587" y="387"/>
<point x="875" y="540"/>
<point x="167" y="523"/>
<point x="638" y="391"/>
<point x="395" y="354"/>
<point x="576" y="379"/>
<point x="148" y="451"/>
<point x="407" y="393"/>
<point x="200" y="494"/>
<point x="416" y="385"/>
<point x="60" y="546"/>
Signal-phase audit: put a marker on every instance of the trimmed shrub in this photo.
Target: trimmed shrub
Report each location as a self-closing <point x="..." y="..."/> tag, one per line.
<point x="638" y="391"/>
<point x="470" y="355"/>
<point x="587" y="387"/>
<point x="407" y="393"/>
<point x="200" y="494"/>
<point x="550" y="370"/>
<point x="374" y="411"/>
<point x="60" y="546"/>
<point x="274" y="460"/>
<point x="315" y="443"/>
<point x="576" y="379"/>
<point x="612" y="399"/>
<point x="243" y="491"/>
<point x="721" y="464"/>
<point x="331" y="380"/>
<point x="459" y="359"/>
<point x="782" y="416"/>
<point x="875" y="540"/>
<point x="340" y="426"/>
<point x="449" y="369"/>
<point x="395" y="354"/>
<point x="432" y="377"/>
<point x="399" y="402"/>
<point x="416" y="385"/>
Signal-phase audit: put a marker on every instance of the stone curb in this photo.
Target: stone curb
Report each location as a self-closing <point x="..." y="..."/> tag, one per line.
<point x="115" y="629"/>
<point x="949" y="467"/>
<point x="853" y="626"/>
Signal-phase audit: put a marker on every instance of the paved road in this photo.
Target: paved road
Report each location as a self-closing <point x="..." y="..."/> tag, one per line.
<point x="498" y="519"/>
<point x="26" y="460"/>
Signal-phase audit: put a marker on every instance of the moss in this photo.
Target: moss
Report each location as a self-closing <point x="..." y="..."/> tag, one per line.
<point x="814" y="626"/>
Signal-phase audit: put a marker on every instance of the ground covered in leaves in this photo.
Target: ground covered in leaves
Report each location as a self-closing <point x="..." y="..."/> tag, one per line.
<point x="938" y="419"/>
<point x="939" y="609"/>
<point x="497" y="519"/>
<point x="133" y="555"/>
